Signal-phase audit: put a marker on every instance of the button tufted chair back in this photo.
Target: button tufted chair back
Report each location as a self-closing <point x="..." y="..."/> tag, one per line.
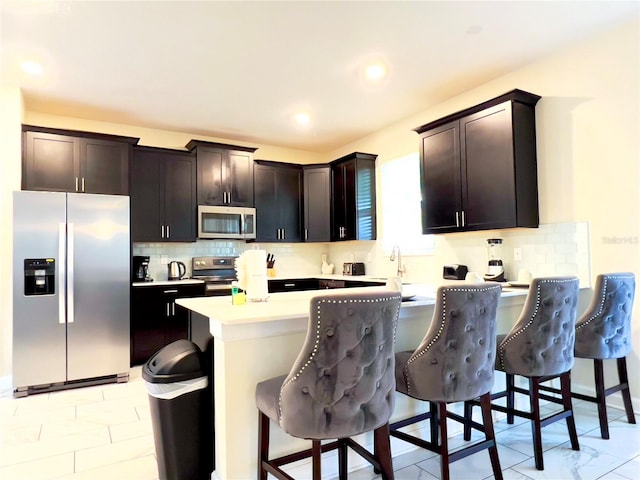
<point x="604" y="330"/>
<point x="541" y="343"/>
<point x="342" y="383"/>
<point x="455" y="360"/>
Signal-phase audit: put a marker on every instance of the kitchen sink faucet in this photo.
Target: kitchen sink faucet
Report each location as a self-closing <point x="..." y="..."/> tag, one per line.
<point x="395" y="251"/>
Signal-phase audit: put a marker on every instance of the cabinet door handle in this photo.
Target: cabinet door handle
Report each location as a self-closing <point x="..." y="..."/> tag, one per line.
<point x="306" y="234"/>
<point x="170" y="291"/>
<point x="168" y="310"/>
<point x="463" y="222"/>
<point x="284" y="235"/>
<point x="168" y="236"/>
<point x="457" y="220"/>
<point x="162" y="231"/>
<point x="83" y="191"/>
<point x="173" y="309"/>
<point x="76" y="184"/>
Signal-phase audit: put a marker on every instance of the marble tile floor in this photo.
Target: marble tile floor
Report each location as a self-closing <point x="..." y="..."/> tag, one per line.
<point x="104" y="432"/>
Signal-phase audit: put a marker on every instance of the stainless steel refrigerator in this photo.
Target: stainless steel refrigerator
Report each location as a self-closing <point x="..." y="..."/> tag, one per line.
<point x="71" y="283"/>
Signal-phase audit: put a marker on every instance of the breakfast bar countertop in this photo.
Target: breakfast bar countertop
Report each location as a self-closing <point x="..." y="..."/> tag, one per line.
<point x="258" y="340"/>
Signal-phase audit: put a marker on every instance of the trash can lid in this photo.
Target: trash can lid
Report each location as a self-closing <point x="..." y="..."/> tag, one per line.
<point x="178" y="361"/>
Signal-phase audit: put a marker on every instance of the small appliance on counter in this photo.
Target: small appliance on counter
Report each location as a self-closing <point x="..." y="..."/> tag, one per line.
<point x="177" y="270"/>
<point x="496" y="268"/>
<point x="140" y="269"/>
<point x="353" y="268"/>
<point x="454" y="272"/>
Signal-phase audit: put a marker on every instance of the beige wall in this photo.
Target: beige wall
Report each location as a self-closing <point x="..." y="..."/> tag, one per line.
<point x="588" y="125"/>
<point x="167" y="139"/>
<point x="11" y="108"/>
<point x="588" y="140"/>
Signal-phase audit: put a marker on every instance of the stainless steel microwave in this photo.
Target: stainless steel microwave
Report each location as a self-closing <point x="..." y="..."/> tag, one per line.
<point x="226" y="222"/>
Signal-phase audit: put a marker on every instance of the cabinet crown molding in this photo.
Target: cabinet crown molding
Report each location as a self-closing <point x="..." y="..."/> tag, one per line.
<point x="515" y="95"/>
<point x="80" y="133"/>
<point x="203" y="143"/>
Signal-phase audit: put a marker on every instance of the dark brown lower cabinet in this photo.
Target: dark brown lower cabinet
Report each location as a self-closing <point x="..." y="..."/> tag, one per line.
<point x="156" y="320"/>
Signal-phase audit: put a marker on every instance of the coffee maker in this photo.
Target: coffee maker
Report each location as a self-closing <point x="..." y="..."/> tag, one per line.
<point x="140" y="270"/>
<point x="496" y="268"/>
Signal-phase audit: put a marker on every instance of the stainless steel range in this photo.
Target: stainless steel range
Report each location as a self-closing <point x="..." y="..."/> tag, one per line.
<point x="217" y="273"/>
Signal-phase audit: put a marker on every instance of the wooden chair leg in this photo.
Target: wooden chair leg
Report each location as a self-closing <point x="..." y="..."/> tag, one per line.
<point x="342" y="459"/>
<point x="626" y="393"/>
<point x="444" y="444"/>
<point x="433" y="409"/>
<point x="383" y="451"/>
<point x="511" y="404"/>
<point x="536" y="426"/>
<point x="487" y="421"/>
<point x="263" y="444"/>
<point x="565" y="386"/>
<point x="315" y="455"/>
<point x="468" y="416"/>
<point x="601" y="399"/>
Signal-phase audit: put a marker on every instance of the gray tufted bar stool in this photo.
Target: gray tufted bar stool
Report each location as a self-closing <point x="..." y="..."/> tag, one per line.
<point x="604" y="332"/>
<point x="453" y="363"/>
<point x="342" y="384"/>
<point x="540" y="347"/>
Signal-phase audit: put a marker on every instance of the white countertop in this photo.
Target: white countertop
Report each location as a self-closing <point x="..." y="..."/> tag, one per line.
<point x="284" y="311"/>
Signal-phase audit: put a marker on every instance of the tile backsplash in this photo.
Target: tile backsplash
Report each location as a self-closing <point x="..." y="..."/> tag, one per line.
<point x="551" y="249"/>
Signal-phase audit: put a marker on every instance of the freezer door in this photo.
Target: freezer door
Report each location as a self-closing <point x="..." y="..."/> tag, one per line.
<point x="98" y="285"/>
<point x="39" y="329"/>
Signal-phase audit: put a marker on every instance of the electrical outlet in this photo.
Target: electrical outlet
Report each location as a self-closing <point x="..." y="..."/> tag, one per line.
<point x="164" y="259"/>
<point x="517" y="253"/>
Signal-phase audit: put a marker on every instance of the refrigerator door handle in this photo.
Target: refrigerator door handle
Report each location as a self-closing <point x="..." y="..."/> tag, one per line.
<point x="62" y="260"/>
<point x="70" y="272"/>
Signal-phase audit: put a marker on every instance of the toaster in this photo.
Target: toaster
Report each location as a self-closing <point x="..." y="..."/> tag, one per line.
<point x="454" y="272"/>
<point x="353" y="268"/>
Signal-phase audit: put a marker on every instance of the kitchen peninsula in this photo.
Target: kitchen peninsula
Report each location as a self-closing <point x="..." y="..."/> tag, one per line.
<point x="260" y="340"/>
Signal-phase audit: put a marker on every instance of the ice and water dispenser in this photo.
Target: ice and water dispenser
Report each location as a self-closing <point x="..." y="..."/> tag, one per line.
<point x="39" y="276"/>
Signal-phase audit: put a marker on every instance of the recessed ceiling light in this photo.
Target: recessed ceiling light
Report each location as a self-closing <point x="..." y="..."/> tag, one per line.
<point x="302" y="118"/>
<point x="32" y="68"/>
<point x="375" y="71"/>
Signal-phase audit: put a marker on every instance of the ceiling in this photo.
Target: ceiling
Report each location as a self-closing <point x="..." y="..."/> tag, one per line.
<point x="240" y="70"/>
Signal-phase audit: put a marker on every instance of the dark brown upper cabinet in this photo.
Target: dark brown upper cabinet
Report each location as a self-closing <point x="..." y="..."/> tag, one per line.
<point x="225" y="173"/>
<point x="73" y="161"/>
<point x="353" y="197"/>
<point x="478" y="167"/>
<point x="163" y="195"/>
<point x="317" y="203"/>
<point x="278" y="194"/>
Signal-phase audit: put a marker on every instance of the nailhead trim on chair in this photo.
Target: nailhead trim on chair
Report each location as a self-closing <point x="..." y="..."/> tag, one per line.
<point x="535" y="312"/>
<point x="603" y="298"/>
<point x="315" y="346"/>
<point x="442" y="321"/>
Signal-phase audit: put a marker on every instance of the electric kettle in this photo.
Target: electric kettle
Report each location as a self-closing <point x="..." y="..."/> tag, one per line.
<point x="176" y="270"/>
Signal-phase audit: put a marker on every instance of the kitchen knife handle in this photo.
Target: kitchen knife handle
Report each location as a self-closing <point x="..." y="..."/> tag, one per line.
<point x="70" y="273"/>
<point x="62" y="260"/>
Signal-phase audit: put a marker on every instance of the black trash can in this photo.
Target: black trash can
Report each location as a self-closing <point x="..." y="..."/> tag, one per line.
<point x="180" y="403"/>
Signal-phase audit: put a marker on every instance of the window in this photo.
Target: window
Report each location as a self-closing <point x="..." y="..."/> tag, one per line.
<point x="401" y="214"/>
